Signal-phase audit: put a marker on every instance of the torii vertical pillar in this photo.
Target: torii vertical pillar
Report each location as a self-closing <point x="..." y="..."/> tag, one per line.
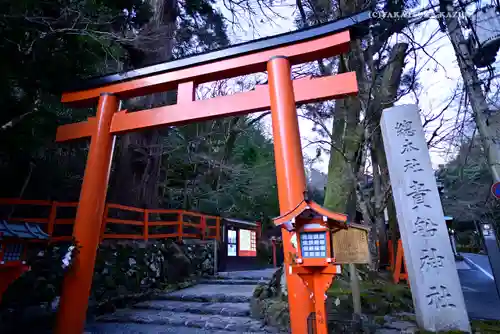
<point x="290" y="177"/>
<point x="87" y="229"/>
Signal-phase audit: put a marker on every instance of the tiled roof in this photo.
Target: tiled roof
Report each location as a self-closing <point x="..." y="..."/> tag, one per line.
<point x="21" y="230"/>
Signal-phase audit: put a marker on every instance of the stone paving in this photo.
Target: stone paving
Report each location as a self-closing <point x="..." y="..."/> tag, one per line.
<point x="480" y="293"/>
<point x="216" y="306"/>
<point x="398" y="327"/>
<point x="213" y="293"/>
<point x="224" y="308"/>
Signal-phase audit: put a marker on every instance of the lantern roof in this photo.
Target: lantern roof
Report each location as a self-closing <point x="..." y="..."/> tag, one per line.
<point x="21" y="230"/>
<point x="309" y="209"/>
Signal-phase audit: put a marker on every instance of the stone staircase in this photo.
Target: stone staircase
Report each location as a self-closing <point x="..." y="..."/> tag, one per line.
<point x="218" y="305"/>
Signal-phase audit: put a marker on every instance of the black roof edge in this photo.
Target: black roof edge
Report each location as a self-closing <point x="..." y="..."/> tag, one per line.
<point x="358" y="24"/>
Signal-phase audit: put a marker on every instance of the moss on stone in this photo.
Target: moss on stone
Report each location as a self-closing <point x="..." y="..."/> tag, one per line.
<point x="486" y="326"/>
<point x="269" y="305"/>
<point x="377" y="297"/>
<point x="477" y="326"/>
<point x="407" y="317"/>
<point x="378" y="319"/>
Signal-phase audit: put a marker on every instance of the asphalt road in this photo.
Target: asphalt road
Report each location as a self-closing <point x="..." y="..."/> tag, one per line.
<point x="480" y="293"/>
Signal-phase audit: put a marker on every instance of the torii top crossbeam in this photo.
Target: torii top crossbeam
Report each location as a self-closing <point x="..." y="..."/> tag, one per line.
<point x="281" y="94"/>
<point x="299" y="46"/>
<point x="306" y="45"/>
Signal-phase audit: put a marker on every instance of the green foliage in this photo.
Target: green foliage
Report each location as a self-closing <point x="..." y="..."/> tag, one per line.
<point x="378" y="297"/>
<point x="201" y="28"/>
<point x="44" y="47"/>
<point x="200" y="175"/>
<point x="47" y="46"/>
<point x="466" y="195"/>
<point x="477" y="326"/>
<point x="485" y="326"/>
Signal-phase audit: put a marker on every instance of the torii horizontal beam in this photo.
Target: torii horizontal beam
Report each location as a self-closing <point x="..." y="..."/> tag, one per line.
<point x="186" y="110"/>
<point x="299" y="53"/>
<point x="357" y="24"/>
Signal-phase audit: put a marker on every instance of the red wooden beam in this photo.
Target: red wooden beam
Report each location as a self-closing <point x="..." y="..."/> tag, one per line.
<point x="298" y="53"/>
<point x="306" y="90"/>
<point x="69" y="130"/>
<point x="20" y="201"/>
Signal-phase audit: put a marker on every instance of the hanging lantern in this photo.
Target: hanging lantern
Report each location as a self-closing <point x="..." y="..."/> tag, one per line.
<point x="485" y="35"/>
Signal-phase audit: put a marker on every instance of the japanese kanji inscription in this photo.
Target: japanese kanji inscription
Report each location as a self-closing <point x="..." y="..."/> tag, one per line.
<point x="424" y="227"/>
<point x="412" y="165"/>
<point x="430" y="259"/>
<point x="436" y="289"/>
<point x="439" y="297"/>
<point x="417" y="194"/>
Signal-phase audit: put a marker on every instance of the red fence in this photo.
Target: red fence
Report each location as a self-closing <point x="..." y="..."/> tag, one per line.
<point x="57" y="219"/>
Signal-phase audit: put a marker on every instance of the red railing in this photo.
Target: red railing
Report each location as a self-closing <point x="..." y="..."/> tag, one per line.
<point x="151" y="225"/>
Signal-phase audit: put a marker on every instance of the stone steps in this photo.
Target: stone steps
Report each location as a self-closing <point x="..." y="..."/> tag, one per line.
<point x="211" y="293"/>
<point x="226" y="309"/>
<point x="226" y="281"/>
<point x="130" y="328"/>
<point x="265" y="274"/>
<point x="215" y="306"/>
<point x="184" y="319"/>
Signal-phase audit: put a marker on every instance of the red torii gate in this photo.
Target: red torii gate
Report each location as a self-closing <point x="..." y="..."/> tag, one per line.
<point x="277" y="54"/>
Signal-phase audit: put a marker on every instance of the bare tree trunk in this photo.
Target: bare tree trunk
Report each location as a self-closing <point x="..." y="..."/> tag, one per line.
<point x="137" y="178"/>
<point x="479" y="105"/>
<point x="384" y="97"/>
<point x="229" y="143"/>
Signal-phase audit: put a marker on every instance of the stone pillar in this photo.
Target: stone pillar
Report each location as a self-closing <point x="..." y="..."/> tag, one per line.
<point x="435" y="286"/>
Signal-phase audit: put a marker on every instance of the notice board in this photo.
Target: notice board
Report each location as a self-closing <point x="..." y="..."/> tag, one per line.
<point x="248" y="243"/>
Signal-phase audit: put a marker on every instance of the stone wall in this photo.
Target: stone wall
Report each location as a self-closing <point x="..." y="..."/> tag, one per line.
<point x="131" y="266"/>
<point x="124" y="271"/>
<point x="270" y="302"/>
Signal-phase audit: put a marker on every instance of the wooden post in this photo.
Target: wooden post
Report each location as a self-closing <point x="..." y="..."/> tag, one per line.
<point x="87" y="228"/>
<point x="216" y="256"/>
<point x="180" y="228"/>
<point x="319" y="302"/>
<point x="146" y="224"/>
<point x="391" y="254"/>
<point x="290" y="177"/>
<point x="52" y="219"/>
<point x="104" y="221"/>
<point x="377" y="244"/>
<point x="203" y="225"/>
<point x="273" y="241"/>
<point x="356" y="294"/>
<point x="217" y="230"/>
<point x="398" y="265"/>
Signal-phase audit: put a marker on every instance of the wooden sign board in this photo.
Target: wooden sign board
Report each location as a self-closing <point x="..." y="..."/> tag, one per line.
<point x="351" y="246"/>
